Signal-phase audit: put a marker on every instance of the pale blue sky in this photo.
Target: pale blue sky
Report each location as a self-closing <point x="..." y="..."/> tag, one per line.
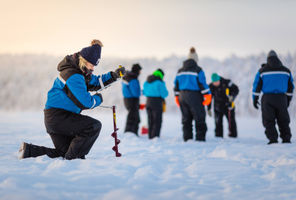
<point x="138" y="28"/>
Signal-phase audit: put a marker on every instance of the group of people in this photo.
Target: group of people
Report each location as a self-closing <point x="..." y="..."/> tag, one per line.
<point x="73" y="134"/>
<point x="154" y="89"/>
<point x="192" y="94"/>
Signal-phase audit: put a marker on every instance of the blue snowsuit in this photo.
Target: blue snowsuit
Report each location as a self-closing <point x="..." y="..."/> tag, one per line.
<point x="73" y="134"/>
<point x="276" y="83"/>
<point x="131" y="91"/>
<point x="190" y="86"/>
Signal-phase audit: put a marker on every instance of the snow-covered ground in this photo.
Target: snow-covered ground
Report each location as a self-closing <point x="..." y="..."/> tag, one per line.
<point x="165" y="168"/>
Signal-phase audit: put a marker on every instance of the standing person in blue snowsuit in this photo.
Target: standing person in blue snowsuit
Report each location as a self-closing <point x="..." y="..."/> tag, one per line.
<point x="131" y="92"/>
<point x="155" y="90"/>
<point x="192" y="93"/>
<point x="72" y="133"/>
<point x="275" y="81"/>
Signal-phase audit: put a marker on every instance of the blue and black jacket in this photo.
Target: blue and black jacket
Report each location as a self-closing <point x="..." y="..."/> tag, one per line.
<point x="70" y="90"/>
<point x="191" y="78"/>
<point x="131" y="85"/>
<point x="155" y="90"/>
<point x="273" y="78"/>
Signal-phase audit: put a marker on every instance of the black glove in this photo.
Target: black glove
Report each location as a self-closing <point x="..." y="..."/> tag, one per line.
<point x="289" y="100"/>
<point x="101" y="97"/>
<point x="119" y="72"/>
<point x="255" y="102"/>
<point x="114" y="76"/>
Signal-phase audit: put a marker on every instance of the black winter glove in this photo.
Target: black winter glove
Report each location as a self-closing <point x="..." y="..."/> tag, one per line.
<point x="101" y="97"/>
<point x="114" y="76"/>
<point x="289" y="100"/>
<point x="255" y="102"/>
<point x="119" y="72"/>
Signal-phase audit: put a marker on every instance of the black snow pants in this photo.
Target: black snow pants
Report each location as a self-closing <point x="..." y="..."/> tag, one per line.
<point x="72" y="134"/>
<point x="275" y="110"/>
<point x="154" y="111"/>
<point x="230" y="115"/>
<point x="192" y="109"/>
<point x="133" y="116"/>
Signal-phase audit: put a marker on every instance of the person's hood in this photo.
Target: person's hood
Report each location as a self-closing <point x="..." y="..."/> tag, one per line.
<point x="189" y="64"/>
<point x="70" y="61"/>
<point x="274" y="61"/>
<point x="153" y="78"/>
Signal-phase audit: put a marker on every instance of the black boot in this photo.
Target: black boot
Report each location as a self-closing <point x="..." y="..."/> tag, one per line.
<point x="286" y="141"/>
<point x="232" y="135"/>
<point x="24" y="151"/>
<point x="30" y="150"/>
<point x="272" y="142"/>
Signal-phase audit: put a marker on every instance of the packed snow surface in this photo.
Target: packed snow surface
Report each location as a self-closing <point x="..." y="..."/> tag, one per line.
<point x="163" y="168"/>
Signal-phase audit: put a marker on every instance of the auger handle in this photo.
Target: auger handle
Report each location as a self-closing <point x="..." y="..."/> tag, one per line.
<point x="120" y="73"/>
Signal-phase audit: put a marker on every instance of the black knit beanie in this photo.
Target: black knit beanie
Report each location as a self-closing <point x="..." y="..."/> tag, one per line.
<point x="136" y="68"/>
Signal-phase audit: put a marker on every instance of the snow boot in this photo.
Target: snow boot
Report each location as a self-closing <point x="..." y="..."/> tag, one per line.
<point x="272" y="142"/>
<point x="286" y="141"/>
<point x="232" y="135"/>
<point x="30" y="150"/>
<point x="24" y="151"/>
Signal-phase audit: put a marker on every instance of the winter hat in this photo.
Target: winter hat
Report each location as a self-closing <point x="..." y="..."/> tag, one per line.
<point x="193" y="55"/>
<point x="159" y="73"/>
<point x="215" y="77"/>
<point x="92" y="53"/>
<point x="271" y="53"/>
<point x="136" y="68"/>
<point x="192" y="50"/>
